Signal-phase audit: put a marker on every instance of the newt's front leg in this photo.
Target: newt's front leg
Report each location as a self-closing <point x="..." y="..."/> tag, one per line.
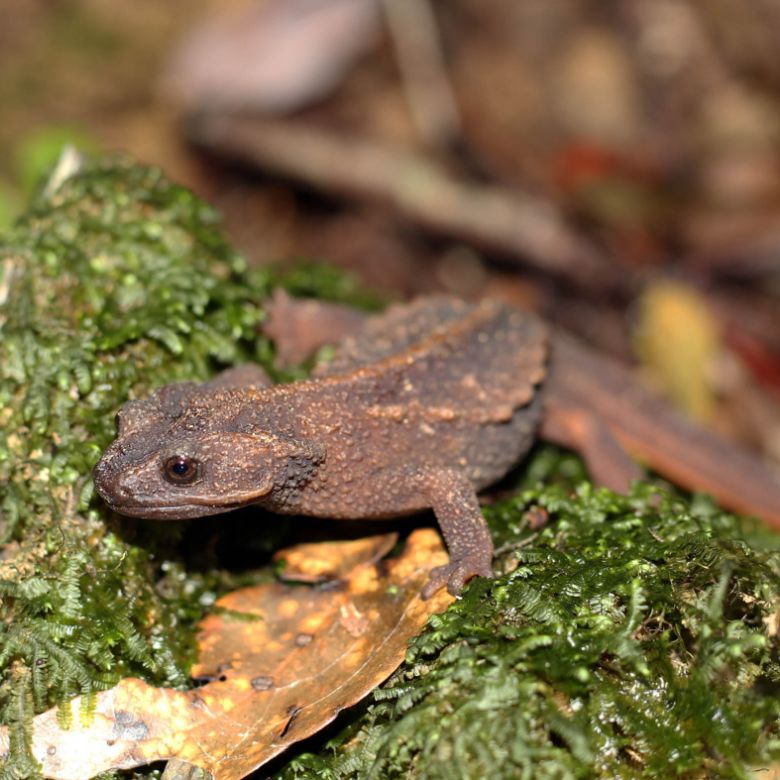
<point x="451" y="496"/>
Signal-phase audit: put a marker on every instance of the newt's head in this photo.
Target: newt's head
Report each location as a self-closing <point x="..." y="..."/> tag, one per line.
<point x="186" y="452"/>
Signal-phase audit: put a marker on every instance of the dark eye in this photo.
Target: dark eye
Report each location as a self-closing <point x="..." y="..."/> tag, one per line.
<point x="181" y="469"/>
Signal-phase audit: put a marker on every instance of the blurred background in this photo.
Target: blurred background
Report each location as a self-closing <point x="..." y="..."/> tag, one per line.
<point x="615" y="166"/>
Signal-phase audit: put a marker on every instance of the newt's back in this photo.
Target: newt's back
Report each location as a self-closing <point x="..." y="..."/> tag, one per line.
<point x="439" y="382"/>
<point x="480" y="360"/>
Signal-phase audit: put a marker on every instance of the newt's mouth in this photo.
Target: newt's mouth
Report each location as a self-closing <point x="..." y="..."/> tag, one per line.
<point x="185" y="510"/>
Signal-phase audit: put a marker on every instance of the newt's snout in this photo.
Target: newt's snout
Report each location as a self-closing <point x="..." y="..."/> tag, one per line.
<point x="108" y="483"/>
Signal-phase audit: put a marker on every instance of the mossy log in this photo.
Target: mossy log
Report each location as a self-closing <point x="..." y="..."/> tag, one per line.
<point x="626" y="637"/>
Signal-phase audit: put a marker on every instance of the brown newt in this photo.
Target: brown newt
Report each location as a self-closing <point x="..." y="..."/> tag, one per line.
<point x="421" y="408"/>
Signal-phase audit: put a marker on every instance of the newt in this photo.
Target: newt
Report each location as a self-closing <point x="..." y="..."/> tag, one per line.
<point x="420" y="408"/>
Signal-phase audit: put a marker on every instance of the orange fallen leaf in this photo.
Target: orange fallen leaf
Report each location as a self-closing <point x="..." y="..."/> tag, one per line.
<point x="323" y="561"/>
<point x="283" y="662"/>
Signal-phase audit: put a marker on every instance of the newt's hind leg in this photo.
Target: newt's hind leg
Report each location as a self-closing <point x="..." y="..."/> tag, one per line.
<point x="581" y="430"/>
<point x="300" y="326"/>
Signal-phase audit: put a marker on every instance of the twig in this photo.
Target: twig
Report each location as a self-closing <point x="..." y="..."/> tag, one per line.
<point x="524" y="228"/>
<point x="415" y="35"/>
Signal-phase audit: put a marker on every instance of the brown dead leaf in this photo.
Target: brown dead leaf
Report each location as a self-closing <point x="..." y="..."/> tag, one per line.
<point x="283" y="662"/>
<point x="274" y="57"/>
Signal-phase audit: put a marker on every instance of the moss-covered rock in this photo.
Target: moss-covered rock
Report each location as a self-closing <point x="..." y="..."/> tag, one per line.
<point x="627" y="638"/>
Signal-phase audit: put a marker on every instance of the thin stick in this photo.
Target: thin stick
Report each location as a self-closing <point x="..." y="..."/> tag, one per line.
<point x="521" y="226"/>
<point x="415" y="35"/>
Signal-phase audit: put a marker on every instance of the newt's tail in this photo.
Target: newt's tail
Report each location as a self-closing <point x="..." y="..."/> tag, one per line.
<point x="656" y="434"/>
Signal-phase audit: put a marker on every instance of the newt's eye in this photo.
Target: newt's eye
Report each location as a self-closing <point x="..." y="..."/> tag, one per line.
<point x="181" y="470"/>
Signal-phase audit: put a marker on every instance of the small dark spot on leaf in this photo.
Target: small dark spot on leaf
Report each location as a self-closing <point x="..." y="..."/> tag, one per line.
<point x="293" y="713"/>
<point x="209" y="677"/>
<point x="382" y="569"/>
<point x="126" y="726"/>
<point x="262" y="682"/>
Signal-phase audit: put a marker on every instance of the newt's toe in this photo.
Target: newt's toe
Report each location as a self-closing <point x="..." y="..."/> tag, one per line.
<point x="455" y="575"/>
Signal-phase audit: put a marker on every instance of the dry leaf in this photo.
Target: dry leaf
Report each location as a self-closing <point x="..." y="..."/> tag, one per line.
<point x="275" y="57"/>
<point x="284" y="661"/>
<point x="323" y="561"/>
<point x="678" y="341"/>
